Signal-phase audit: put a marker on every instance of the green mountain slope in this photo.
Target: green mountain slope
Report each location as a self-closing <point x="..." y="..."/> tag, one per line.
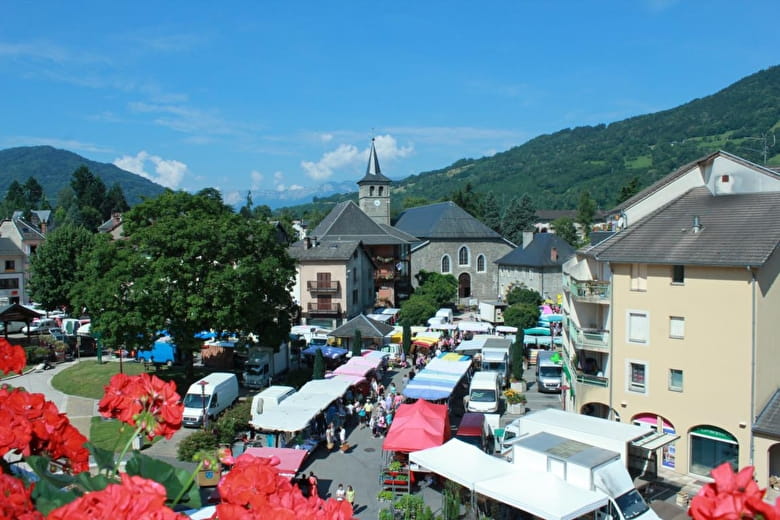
<point x="53" y="168"/>
<point x="553" y="169"/>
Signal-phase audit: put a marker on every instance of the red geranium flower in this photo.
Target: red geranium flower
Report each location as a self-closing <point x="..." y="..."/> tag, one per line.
<point x="12" y="357"/>
<point x="15" y="501"/>
<point x="135" y="498"/>
<point x="146" y="400"/>
<point x="733" y="496"/>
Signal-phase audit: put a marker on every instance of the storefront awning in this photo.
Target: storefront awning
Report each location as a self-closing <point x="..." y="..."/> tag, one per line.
<point x="654" y="440"/>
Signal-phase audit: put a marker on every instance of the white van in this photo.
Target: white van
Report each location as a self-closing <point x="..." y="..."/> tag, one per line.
<point x="213" y="394"/>
<point x="484" y="393"/>
<point x="548" y="372"/>
<point x="445" y="313"/>
<point x="270" y="398"/>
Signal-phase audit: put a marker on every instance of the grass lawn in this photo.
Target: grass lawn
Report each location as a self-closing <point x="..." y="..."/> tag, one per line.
<point x="88" y="378"/>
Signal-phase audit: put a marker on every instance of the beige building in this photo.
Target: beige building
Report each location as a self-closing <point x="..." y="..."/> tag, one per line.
<point x="673" y="319"/>
<point x="20" y="240"/>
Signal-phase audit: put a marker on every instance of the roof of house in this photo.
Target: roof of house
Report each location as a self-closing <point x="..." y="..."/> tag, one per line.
<point x="16" y="312"/>
<point x="348" y="222"/>
<point x="8" y="248"/>
<point x="329" y="250"/>
<point x="538" y="252"/>
<point x="368" y="328"/>
<point x="735" y="230"/>
<point x="768" y="421"/>
<point x="444" y="220"/>
<point x="26" y="230"/>
<point x="658" y="185"/>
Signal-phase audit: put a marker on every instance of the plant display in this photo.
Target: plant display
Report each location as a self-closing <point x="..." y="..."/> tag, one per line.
<point x="32" y="430"/>
<point x="515" y="397"/>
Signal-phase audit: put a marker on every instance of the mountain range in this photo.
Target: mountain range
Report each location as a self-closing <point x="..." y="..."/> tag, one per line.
<point x="553" y="169"/>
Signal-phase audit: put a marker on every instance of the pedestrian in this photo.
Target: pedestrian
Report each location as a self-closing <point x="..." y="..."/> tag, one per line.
<point x="392" y="388"/>
<point x="343" y="439"/>
<point x="341" y="493"/>
<point x="351" y="497"/>
<point x="404" y="380"/>
<point x="368" y="409"/>
<point x="330" y="436"/>
<point x="313" y="485"/>
<point x="379" y="426"/>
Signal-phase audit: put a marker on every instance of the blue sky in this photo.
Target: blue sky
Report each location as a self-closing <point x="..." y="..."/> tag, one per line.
<point x="282" y="95"/>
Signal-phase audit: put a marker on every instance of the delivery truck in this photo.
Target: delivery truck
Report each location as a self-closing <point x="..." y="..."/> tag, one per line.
<point x="211" y="396"/>
<point x="587" y="467"/>
<point x="636" y="444"/>
<point x="163" y="352"/>
<point x="492" y="312"/>
<point x="269" y="399"/>
<point x="263" y="364"/>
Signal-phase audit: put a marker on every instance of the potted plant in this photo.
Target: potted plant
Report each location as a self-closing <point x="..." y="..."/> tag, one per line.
<point x="385" y="496"/>
<point x="515" y="401"/>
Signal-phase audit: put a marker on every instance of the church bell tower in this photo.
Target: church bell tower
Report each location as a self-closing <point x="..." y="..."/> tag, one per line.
<point x="374" y="191"/>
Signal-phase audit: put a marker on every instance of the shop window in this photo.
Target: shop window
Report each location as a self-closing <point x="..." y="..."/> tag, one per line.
<point x="676" y="327"/>
<point x="10" y="265"/>
<point x="678" y="274"/>
<point x="711" y="447"/>
<point x="9" y="283"/>
<point x="675" y="380"/>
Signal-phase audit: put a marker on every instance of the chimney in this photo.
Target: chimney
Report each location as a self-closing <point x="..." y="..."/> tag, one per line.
<point x="117" y="218"/>
<point x="307" y="243"/>
<point x="43" y="227"/>
<point x="554" y="254"/>
<point x="528" y="237"/>
<point x="696" y="224"/>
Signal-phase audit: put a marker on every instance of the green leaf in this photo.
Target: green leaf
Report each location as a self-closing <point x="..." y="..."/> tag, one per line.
<point x="40" y="465"/>
<point x="48" y="497"/>
<point x="104" y="458"/>
<point x="174" y="479"/>
<point x="93" y="482"/>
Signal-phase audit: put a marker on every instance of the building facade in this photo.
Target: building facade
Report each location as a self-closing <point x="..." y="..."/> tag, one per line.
<point x="672" y="320"/>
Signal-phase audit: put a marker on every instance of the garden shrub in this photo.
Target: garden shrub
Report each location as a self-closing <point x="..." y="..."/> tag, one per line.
<point x="196" y="442"/>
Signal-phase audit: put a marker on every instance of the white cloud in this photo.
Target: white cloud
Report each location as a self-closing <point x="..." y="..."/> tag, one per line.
<point x="257" y="179"/>
<point x="348" y="155"/>
<point x="232" y="197"/>
<point x="326" y="138"/>
<point x="167" y="172"/>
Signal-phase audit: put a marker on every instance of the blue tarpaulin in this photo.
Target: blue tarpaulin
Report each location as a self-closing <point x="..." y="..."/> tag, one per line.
<point x="327" y="351"/>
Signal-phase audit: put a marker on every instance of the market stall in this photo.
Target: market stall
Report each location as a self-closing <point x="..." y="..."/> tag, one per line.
<point x="439" y="377"/>
<point x="290" y="460"/>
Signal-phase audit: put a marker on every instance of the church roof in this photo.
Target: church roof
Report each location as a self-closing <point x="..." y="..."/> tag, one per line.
<point x="348" y="222"/>
<point x="373" y="171"/>
<point x="444" y="220"/>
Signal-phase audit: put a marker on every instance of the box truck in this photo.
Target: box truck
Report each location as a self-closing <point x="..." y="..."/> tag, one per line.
<point x="587" y="467"/>
<point x="492" y="312"/>
<point x="263" y="364"/>
<point x="269" y="399"/>
<point x="498" y="360"/>
<point x="212" y="395"/>
<point x="636" y="444"/>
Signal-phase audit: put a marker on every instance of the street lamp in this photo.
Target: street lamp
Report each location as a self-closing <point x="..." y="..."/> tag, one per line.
<point x="203" y="384"/>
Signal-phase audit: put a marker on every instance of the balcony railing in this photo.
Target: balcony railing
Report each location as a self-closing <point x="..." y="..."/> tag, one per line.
<point x="590" y="290"/>
<point x="324" y="308"/>
<point x="588" y="339"/>
<point x="586" y="379"/>
<point x="323" y="287"/>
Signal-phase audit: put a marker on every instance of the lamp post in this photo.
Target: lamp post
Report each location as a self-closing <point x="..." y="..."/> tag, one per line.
<point x="203" y="402"/>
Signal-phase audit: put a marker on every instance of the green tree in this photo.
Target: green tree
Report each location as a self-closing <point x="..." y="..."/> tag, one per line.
<point x="628" y="190"/>
<point x="467" y="199"/>
<point x="414" y="202"/>
<point x="417" y="309"/>
<point x="357" y="344"/>
<point x="15" y="199"/>
<point x="521" y="315"/>
<point x="518" y="217"/>
<point x="441" y="288"/>
<point x="90" y="195"/>
<point x="407" y="338"/>
<point x="55" y="266"/>
<point x="114" y="202"/>
<point x="491" y="214"/>
<point x="564" y="227"/>
<point x="518" y="355"/>
<point x="524" y="295"/>
<point x="189" y="264"/>
<point x="318" y="371"/>
<point x="586" y="212"/>
<point x="33" y="194"/>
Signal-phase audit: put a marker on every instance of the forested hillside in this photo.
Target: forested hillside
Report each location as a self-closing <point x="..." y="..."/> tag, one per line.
<point x="53" y="168"/>
<point x="554" y="169"/>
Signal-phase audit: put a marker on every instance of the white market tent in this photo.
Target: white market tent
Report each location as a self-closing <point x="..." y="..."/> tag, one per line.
<point x="540" y="494"/>
<point x="506" y="329"/>
<point x="476" y="344"/>
<point x="474" y="326"/>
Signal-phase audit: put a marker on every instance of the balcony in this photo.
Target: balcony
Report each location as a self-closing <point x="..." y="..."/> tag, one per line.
<point x="324" y="309"/>
<point x="593" y="291"/>
<point x="589" y="339"/>
<point x="323" y="287"/>
<point x="590" y="380"/>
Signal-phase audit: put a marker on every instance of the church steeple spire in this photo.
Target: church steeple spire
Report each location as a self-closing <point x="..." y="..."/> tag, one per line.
<point x="374" y="190"/>
<point x="373" y="171"/>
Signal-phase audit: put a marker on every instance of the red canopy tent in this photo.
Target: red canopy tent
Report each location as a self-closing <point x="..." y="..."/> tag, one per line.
<point x="290" y="459"/>
<point x="418" y="426"/>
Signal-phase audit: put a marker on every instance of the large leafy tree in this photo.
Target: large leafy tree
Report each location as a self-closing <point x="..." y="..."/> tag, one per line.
<point x="189" y="264"/>
<point x="564" y="228"/>
<point x="628" y="190"/>
<point x="417" y="309"/>
<point x="521" y="315"/>
<point x="586" y="211"/>
<point x="55" y="265"/>
<point x="518" y="217"/>
<point x="442" y="289"/>
<point x="491" y="214"/>
<point x="524" y="295"/>
<point x="114" y="201"/>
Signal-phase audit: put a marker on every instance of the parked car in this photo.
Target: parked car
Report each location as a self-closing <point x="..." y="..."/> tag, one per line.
<point x="41" y="326"/>
<point x="13" y="327"/>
